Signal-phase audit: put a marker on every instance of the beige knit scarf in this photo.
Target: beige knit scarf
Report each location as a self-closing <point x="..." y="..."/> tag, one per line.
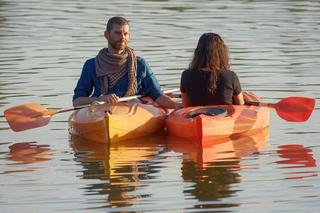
<point x="111" y="67"/>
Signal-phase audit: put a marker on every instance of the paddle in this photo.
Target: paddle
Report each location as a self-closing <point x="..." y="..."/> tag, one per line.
<point x="33" y="115"/>
<point x="292" y="109"/>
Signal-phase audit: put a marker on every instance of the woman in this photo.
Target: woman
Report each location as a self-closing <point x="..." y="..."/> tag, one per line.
<point x="209" y="80"/>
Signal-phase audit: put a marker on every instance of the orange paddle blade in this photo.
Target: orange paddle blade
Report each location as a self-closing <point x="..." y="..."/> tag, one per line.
<point x="28" y="116"/>
<point x="295" y="109"/>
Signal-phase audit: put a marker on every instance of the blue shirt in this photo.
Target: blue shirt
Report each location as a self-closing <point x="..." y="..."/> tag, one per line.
<point x="89" y="84"/>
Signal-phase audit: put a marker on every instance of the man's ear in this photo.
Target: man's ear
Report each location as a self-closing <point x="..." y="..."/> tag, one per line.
<point x="106" y="35"/>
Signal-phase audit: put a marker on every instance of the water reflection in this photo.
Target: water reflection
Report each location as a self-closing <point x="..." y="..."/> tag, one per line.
<point x="299" y="158"/>
<point x="213" y="166"/>
<point x="121" y="167"/>
<point x="27" y="153"/>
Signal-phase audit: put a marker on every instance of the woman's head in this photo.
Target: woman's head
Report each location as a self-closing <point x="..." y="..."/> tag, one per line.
<point x="211" y="53"/>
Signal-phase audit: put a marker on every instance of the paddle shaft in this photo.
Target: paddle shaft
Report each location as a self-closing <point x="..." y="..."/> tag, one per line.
<point x="269" y="105"/>
<point x="102" y="102"/>
<point x="99" y="102"/>
<point x="33" y="115"/>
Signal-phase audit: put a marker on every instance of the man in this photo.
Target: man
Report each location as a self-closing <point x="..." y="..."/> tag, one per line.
<point x="116" y="72"/>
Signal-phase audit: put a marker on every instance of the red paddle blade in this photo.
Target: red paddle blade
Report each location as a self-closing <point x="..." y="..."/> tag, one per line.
<point x="27" y="116"/>
<point x="295" y="109"/>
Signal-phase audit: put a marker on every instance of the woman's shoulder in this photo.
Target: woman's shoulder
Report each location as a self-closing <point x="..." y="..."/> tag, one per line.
<point x="190" y="72"/>
<point x="228" y="73"/>
<point x="187" y="72"/>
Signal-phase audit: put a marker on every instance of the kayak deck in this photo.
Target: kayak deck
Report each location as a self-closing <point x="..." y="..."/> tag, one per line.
<point x="116" y="122"/>
<point x="233" y="119"/>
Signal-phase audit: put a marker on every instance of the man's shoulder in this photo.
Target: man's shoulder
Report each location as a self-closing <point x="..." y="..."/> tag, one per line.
<point x="141" y="60"/>
<point x="90" y="61"/>
<point x="89" y="64"/>
<point x="89" y="67"/>
<point x="142" y="65"/>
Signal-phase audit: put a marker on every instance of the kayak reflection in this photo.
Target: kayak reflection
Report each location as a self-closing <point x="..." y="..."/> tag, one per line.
<point x="212" y="166"/>
<point x="119" y="167"/>
<point x="208" y="153"/>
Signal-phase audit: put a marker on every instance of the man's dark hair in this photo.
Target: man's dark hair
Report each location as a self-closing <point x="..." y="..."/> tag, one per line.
<point x="116" y="20"/>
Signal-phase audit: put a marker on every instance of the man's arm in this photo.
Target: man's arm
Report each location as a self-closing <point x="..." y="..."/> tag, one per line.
<point x="86" y="83"/>
<point x="83" y="101"/>
<point x="112" y="98"/>
<point x="152" y="88"/>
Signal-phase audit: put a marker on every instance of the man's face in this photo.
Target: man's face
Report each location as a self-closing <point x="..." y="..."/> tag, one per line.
<point x="118" y="37"/>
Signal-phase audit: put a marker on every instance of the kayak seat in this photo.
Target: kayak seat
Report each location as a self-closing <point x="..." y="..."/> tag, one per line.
<point x="207" y="111"/>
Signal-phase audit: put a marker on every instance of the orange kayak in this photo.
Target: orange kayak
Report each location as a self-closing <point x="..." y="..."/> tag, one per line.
<point x="205" y="123"/>
<point x="116" y="122"/>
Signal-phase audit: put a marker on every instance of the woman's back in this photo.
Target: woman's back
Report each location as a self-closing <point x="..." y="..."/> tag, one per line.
<point x="195" y="84"/>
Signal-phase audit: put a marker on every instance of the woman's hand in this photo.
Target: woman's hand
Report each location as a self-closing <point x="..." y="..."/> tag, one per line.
<point x="250" y="97"/>
<point x="166" y="102"/>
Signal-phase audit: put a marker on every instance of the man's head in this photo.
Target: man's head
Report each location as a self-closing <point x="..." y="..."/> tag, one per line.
<point x="117" y="33"/>
<point x="117" y="20"/>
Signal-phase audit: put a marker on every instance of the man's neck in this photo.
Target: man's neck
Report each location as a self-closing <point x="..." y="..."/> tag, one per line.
<point x="114" y="51"/>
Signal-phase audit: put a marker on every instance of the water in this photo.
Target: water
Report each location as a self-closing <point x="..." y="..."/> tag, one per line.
<point x="275" y="50"/>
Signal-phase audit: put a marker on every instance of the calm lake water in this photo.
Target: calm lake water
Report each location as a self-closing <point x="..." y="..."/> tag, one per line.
<point x="275" y="49"/>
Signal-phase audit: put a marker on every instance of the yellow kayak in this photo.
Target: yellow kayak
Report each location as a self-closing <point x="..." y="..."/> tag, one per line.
<point x="109" y="123"/>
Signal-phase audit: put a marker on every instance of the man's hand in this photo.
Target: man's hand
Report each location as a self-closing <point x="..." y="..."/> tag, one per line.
<point x="112" y="98"/>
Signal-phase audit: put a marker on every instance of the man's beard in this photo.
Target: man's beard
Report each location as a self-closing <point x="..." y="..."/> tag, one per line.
<point x="118" y="45"/>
